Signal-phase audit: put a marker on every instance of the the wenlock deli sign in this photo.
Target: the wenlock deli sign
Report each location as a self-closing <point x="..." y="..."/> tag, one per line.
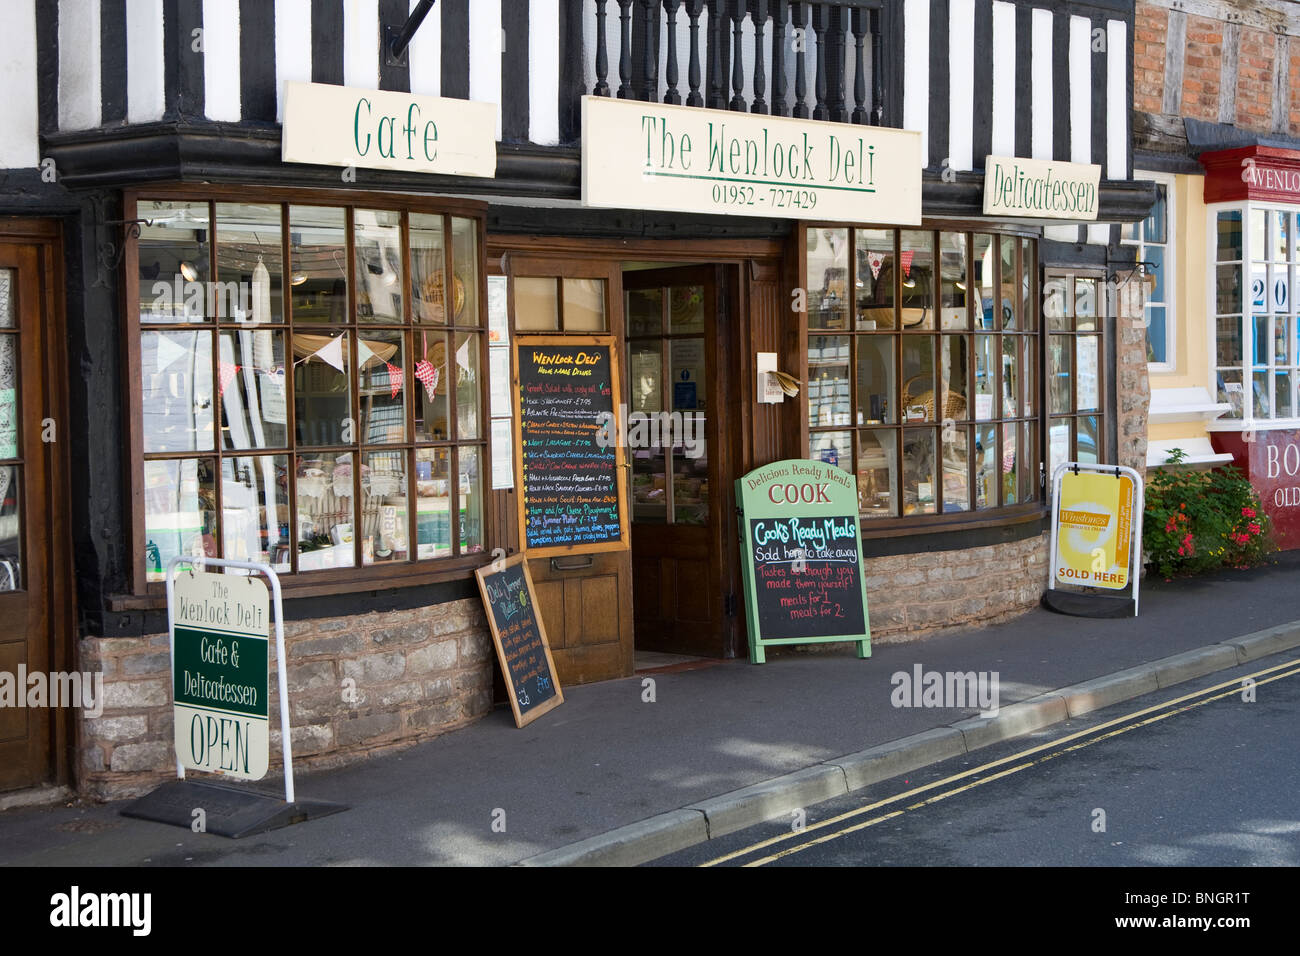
<point x="687" y="159"/>
<point x="1039" y="189"/>
<point x="1262" y="173"/>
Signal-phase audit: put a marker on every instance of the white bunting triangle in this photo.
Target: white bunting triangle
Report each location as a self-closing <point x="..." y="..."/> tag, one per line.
<point x="168" y="352"/>
<point x="332" y="353"/>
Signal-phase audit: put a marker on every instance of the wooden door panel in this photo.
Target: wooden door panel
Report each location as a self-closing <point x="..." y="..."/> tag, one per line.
<point x="587" y="612"/>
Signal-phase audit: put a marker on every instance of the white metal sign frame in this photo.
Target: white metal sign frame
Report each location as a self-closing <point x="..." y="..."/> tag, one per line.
<point x="1139" y="505"/>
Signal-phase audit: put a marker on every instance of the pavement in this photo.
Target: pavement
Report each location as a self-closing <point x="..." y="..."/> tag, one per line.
<point x="624" y="771"/>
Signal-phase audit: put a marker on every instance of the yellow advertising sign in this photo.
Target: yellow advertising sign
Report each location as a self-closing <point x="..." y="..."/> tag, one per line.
<point x="1094" y="530"/>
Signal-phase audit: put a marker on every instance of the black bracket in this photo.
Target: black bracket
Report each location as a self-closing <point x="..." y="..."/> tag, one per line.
<point x="396" y="41"/>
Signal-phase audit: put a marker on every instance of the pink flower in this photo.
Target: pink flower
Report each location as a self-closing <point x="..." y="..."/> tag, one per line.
<point x="1169" y="525"/>
<point x="1248" y="512"/>
<point x="1253" y="528"/>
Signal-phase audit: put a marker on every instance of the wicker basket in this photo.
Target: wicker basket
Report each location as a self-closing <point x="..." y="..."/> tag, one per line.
<point x="954" y="404"/>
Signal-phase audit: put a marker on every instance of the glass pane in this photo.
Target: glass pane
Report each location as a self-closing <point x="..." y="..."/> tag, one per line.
<point x="986" y="364"/>
<point x="1260" y="340"/>
<point x="322" y="392"/>
<point x="468" y="391"/>
<point x="1279" y="239"/>
<point x="1089" y="392"/>
<point x="584" y="305"/>
<point x="1280" y="340"/>
<point x="954" y="370"/>
<point x="916" y="261"/>
<point x="1058" y="437"/>
<point x="1153" y="228"/>
<point x="8" y="317"/>
<point x="1227" y="289"/>
<point x="986" y="308"/>
<point x="1156" y="256"/>
<point x="255" y="509"/>
<point x="918" y="373"/>
<point x="11" y="529"/>
<point x="1258" y="286"/>
<point x="377" y="242"/>
<point x="952" y="280"/>
<point x="1282" y="395"/>
<point x="464" y="252"/>
<point x="877" y="473"/>
<point x="1059" y="364"/>
<point x="385" y="527"/>
<point x="686" y="372"/>
<point x="173" y="250"/>
<point x="1029" y="310"/>
<point x="1010" y="298"/>
<point x="326" y="512"/>
<point x="433" y="512"/>
<point x="537" y="304"/>
<point x="828" y="278"/>
<point x="1258" y="235"/>
<point x="1279" y="289"/>
<point x="918" y="471"/>
<point x="250" y="269"/>
<point x="956" y="457"/>
<point x="834" y="448"/>
<point x="649" y="483"/>
<point x="1089" y="440"/>
<point x="250" y="381"/>
<point x="1028" y="461"/>
<point x="1058" y="303"/>
<point x="180" y="502"/>
<point x="470" y="498"/>
<point x="645" y="310"/>
<point x="645" y="364"/>
<point x="1230" y="390"/>
<point x="875" y="279"/>
<point x="686" y="309"/>
<point x="876" y="370"/>
<point x="318" y="281"/>
<point x="430" y="370"/>
<point x="1011" y="466"/>
<point x="1010" y="376"/>
<point x="1156" y="349"/>
<point x="691" y="478"/>
<point x="828" y="380"/>
<point x="986" y="466"/>
<point x="1087" y="304"/>
<point x="1228" y="339"/>
<point x="1228" y="244"/>
<point x="176" y="390"/>
<point x="382" y="360"/>
<point x="1029" y="373"/>
<point x="9" y="413"/>
<point x="428" y="269"/>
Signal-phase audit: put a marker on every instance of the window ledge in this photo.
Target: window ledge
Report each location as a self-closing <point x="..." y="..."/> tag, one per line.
<point x="1169" y="405"/>
<point x="1253" y="424"/>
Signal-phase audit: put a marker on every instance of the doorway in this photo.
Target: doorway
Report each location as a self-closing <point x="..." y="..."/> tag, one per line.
<point x="680" y="447"/>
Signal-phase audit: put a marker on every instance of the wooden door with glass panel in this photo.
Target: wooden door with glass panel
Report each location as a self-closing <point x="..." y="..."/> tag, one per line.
<point x="675" y="403"/>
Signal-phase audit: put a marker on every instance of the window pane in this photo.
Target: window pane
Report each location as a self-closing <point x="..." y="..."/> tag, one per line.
<point x="834" y="448"/>
<point x="11" y="529"/>
<point x="322" y="389"/>
<point x="176" y="387"/>
<point x="1227" y="289"/>
<point x="1089" y="439"/>
<point x="875" y="279"/>
<point x="249" y="256"/>
<point x="1230" y="390"/>
<point x="1058" y="445"/>
<point x="691" y="479"/>
<point x="430" y="392"/>
<point x="251" y="385"/>
<point x="916" y="261"/>
<point x="1010" y="376"/>
<point x="1156" y="256"/>
<point x="649" y="483"/>
<point x="956" y="481"/>
<point x="828" y="385"/>
<point x="1228" y="245"/>
<point x="471" y="500"/>
<point x="537" y="304"/>
<point x="1010" y="464"/>
<point x="318" y="262"/>
<point x="645" y="364"/>
<point x="645" y="310"/>
<point x="1280" y="340"/>
<point x="1258" y="286"/>
<point x="1279" y="289"/>
<point x="1029" y="373"/>
<point x="180" y="500"/>
<point x="384" y="527"/>
<point x="877" y="473"/>
<point x="1027" y="282"/>
<point x="1058" y="303"/>
<point x="828" y="278"/>
<point x="428" y="269"/>
<point x="1228" y="339"/>
<point x="986" y="466"/>
<point x="954" y="370"/>
<point x="1282" y="395"/>
<point x="377" y="241"/>
<point x="468" y="392"/>
<point x="326" y="512"/>
<point x="464" y="249"/>
<point x="1261" y="394"/>
<point x="1260" y="340"/>
<point x="1279" y="238"/>
<point x="986" y="364"/>
<point x="433" y="515"/>
<point x="255" y="509"/>
<point x="1153" y="229"/>
<point x="1010" y="298"/>
<point x="9" y="413"/>
<point x="584" y="305"/>
<point x="686" y="310"/>
<point x="875" y="379"/>
<point x="918" y="471"/>
<point x="382" y="360"/>
<point x="173" y="251"/>
<point x="1087" y="304"/>
<point x="1156" y="349"/>
<point x="918" y="379"/>
<point x="952" y="279"/>
<point x="1258" y="235"/>
<point x="1028" y="461"/>
<point x="1059" y="363"/>
<point x="986" y="307"/>
<point x="1089" y="391"/>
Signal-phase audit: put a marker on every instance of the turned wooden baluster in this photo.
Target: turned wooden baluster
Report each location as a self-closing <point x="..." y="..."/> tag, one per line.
<point x="737" y="60"/>
<point x="602" y="59"/>
<point x="670" y="94"/>
<point x="820" y="17"/>
<point x="693" y="8"/>
<point x="877" y="73"/>
<point x="780" y="15"/>
<point x="650" y="54"/>
<point x="799" y="23"/>
<point x="625" y="91"/>
<point x="717" y="38"/>
<point x="859" y="69"/>
<point x="758" y="10"/>
<point x="838" y="30"/>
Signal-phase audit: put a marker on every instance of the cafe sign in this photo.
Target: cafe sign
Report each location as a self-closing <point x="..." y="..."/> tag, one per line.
<point x="687" y="159"/>
<point x="377" y="129"/>
<point x="1039" y="189"/>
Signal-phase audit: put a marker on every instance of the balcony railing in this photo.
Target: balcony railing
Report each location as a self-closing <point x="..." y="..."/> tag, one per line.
<point x="759" y="56"/>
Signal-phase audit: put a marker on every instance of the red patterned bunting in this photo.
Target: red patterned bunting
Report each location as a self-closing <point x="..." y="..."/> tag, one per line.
<point x="427" y="373"/>
<point x="906" y="260"/>
<point x="394" y="378"/>
<point x="225" y="371"/>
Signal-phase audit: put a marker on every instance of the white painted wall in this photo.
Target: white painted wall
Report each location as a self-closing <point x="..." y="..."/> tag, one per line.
<point x="19" y="146"/>
<point x="79" y="40"/>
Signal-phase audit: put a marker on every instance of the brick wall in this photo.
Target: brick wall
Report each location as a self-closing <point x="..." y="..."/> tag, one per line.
<point x="416" y="674"/>
<point x="1149" y="34"/>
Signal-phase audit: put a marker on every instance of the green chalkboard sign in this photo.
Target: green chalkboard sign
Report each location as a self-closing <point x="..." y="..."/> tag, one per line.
<point x="801" y="554"/>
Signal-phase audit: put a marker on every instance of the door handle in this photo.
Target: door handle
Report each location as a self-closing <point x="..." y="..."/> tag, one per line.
<point x="573" y="564"/>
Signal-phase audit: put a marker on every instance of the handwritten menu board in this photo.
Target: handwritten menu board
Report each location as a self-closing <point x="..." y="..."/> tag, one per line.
<point x="520" y="638"/>
<point x="801" y="555"/>
<point x="570" y="498"/>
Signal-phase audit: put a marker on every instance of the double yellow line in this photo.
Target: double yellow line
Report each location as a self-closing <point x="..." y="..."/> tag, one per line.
<point x="1029" y="758"/>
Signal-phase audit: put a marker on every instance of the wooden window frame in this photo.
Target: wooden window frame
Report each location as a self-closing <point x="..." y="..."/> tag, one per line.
<point x="1103" y="411"/>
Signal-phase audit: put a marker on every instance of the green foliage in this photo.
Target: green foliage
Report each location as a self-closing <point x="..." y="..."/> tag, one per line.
<point x="1197" y="521"/>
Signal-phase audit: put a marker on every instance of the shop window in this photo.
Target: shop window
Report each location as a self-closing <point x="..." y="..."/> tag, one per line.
<point x="923" y="359"/>
<point x="1074" y="308"/>
<point x="1255" y="283"/>
<point x="311" y="387"/>
<point x="1151" y="239"/>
